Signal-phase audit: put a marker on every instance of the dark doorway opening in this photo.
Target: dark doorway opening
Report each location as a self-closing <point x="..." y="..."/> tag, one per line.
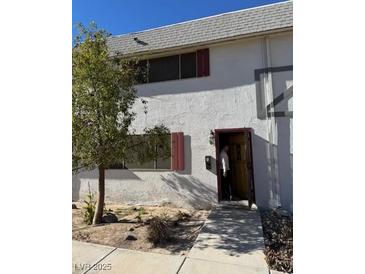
<point x="239" y="153"/>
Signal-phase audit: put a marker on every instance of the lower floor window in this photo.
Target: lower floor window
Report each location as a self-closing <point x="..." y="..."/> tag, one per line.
<point x="142" y="148"/>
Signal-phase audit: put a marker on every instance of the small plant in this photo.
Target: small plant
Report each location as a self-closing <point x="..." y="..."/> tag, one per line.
<point x="158" y="230"/>
<point x="139" y="217"/>
<point x="141" y="211"/>
<point x="89" y="208"/>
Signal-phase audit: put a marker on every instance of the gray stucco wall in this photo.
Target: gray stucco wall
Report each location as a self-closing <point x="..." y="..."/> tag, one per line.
<point x="225" y="99"/>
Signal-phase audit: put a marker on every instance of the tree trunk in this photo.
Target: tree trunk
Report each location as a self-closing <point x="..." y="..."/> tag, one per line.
<point x="100" y="204"/>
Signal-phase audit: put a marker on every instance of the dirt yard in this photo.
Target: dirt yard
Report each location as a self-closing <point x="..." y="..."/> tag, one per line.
<point x="131" y="230"/>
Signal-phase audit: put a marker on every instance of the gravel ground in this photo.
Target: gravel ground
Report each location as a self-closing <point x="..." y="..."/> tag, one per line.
<point x="278" y="233"/>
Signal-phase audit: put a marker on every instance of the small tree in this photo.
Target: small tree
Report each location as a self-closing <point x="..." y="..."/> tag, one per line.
<point x="103" y="94"/>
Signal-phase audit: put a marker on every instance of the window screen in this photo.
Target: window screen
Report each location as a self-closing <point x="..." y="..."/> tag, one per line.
<point x="165" y="68"/>
<point x="188" y="65"/>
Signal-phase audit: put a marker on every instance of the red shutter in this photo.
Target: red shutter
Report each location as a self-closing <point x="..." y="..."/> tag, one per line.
<point x="203" y="62"/>
<point x="180" y="151"/>
<point x="177" y="151"/>
<point x="174" y="151"/>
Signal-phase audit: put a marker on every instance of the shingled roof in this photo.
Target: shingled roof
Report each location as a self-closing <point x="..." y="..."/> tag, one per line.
<point x="206" y="30"/>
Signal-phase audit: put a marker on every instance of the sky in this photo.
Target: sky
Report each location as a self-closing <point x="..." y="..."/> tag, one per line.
<point x="124" y="16"/>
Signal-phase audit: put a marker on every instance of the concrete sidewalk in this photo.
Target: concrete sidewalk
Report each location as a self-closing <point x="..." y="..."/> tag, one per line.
<point x="93" y="258"/>
<point x="231" y="241"/>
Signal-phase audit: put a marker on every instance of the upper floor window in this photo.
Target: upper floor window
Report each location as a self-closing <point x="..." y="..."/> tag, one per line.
<point x="182" y="66"/>
<point x="163" y="69"/>
<point x="188" y="65"/>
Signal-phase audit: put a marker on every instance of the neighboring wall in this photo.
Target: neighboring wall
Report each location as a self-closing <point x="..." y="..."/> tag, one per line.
<point x="225" y="99"/>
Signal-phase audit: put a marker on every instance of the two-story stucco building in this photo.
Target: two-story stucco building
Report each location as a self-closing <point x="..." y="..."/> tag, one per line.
<point x="224" y="79"/>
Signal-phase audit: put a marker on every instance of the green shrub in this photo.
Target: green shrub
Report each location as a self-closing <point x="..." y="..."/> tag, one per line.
<point x="89" y="208"/>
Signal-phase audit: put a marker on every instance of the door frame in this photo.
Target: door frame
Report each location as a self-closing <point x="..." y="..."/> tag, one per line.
<point x="251" y="190"/>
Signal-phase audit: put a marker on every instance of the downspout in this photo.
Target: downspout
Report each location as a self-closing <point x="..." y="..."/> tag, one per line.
<point x="271" y="130"/>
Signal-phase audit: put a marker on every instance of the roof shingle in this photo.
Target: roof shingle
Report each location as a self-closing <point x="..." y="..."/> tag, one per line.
<point x="205" y="30"/>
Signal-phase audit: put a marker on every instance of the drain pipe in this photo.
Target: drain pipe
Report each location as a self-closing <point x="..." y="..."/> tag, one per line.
<point x="271" y="129"/>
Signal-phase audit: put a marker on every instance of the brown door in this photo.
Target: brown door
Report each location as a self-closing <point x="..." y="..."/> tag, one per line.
<point x="239" y="172"/>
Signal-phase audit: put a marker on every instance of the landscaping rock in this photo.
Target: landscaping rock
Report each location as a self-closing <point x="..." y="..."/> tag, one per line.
<point x="254" y="207"/>
<point x="110" y="218"/>
<point x="131" y="237"/>
<point x="74" y="206"/>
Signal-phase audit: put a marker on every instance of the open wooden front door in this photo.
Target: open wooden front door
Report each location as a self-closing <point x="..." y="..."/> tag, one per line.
<point x="238" y="158"/>
<point x="240" y="155"/>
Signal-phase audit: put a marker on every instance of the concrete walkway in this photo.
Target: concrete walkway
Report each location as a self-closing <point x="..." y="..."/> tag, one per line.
<point x="231" y="241"/>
